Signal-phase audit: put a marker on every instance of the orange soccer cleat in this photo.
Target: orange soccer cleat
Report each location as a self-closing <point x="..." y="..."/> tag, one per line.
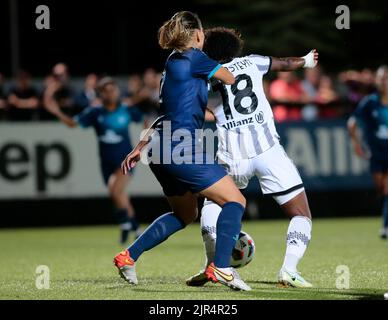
<point x="126" y="267"/>
<point x="226" y="276"/>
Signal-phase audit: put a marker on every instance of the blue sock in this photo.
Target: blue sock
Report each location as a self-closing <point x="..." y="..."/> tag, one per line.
<point x="156" y="233"/>
<point x="134" y="223"/>
<point x="228" y="230"/>
<point x="122" y="215"/>
<point x="385" y="211"/>
<point x="125" y="224"/>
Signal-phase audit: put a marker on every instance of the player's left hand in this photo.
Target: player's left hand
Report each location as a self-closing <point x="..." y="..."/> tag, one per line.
<point x="130" y="161"/>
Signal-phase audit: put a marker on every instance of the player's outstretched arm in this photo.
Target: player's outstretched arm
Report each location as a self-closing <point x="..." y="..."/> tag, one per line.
<point x="293" y="63"/>
<point x="52" y="106"/>
<point x="134" y="156"/>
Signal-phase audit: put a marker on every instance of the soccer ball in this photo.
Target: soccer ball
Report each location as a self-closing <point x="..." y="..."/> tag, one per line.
<point x="243" y="251"/>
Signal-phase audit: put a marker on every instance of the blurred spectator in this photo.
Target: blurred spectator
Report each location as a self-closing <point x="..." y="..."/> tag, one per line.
<point x="145" y="93"/>
<point x="288" y="95"/>
<point x="2" y="93"/>
<point x="58" y="91"/>
<point x="310" y="84"/>
<point x="357" y="84"/>
<point x="88" y="96"/>
<point x="48" y="81"/>
<point x="317" y="96"/>
<point x="327" y="98"/>
<point x="134" y="94"/>
<point x="23" y="100"/>
<point x="63" y="93"/>
<point x="368" y="79"/>
<point x="326" y="93"/>
<point x="151" y="81"/>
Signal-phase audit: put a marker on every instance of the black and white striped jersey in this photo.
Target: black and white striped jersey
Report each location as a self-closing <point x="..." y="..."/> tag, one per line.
<point x="244" y="116"/>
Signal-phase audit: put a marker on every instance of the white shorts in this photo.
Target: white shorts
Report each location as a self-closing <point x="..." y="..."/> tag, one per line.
<point x="277" y="174"/>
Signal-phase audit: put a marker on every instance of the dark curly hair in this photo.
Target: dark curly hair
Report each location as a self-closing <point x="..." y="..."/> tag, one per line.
<point x="223" y="44"/>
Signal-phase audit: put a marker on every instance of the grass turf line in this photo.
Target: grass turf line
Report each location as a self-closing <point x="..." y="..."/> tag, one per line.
<point x="80" y="262"/>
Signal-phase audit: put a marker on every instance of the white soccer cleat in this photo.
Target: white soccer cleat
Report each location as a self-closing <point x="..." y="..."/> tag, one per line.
<point x="126" y="267"/>
<point x="226" y="276"/>
<point x="292" y="279"/>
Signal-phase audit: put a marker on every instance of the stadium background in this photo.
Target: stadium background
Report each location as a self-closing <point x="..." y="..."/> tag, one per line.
<point x="49" y="175"/>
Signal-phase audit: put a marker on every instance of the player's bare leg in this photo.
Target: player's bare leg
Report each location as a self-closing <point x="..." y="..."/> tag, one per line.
<point x="384" y="235"/>
<point x="124" y="210"/>
<point x="298" y="238"/>
<point x="185" y="207"/>
<point x="184" y="212"/>
<point x="298" y="206"/>
<point x="381" y="183"/>
<point x="226" y="195"/>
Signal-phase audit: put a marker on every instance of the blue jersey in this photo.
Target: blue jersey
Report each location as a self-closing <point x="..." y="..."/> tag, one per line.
<point x="112" y="130"/>
<point x="372" y="116"/>
<point x="183" y="102"/>
<point x="184" y="92"/>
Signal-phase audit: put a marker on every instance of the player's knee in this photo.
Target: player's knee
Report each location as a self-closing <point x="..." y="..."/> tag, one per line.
<point x="241" y="200"/>
<point x="187" y="217"/>
<point x="234" y="197"/>
<point x="113" y="193"/>
<point x="117" y="196"/>
<point x="111" y="189"/>
<point x="188" y="220"/>
<point x="194" y="216"/>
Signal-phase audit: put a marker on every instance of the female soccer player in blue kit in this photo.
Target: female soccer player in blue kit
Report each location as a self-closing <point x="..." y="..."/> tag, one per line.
<point x="371" y="117"/>
<point x="183" y="104"/>
<point x="110" y="121"/>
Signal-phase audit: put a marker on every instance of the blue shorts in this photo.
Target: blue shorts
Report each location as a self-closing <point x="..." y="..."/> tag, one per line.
<point x="178" y="179"/>
<point x="378" y="165"/>
<point x="111" y="159"/>
<point x="108" y="168"/>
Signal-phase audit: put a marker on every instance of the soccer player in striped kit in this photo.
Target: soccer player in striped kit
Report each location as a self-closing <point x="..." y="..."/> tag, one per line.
<point x="249" y="146"/>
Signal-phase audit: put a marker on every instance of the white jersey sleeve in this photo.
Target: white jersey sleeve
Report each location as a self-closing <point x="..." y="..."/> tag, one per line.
<point x="263" y="63"/>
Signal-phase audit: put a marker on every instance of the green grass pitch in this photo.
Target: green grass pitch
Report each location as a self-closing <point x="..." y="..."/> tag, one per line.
<point x="80" y="262"/>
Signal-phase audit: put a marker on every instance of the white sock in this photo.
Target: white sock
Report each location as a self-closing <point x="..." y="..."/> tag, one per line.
<point x="298" y="238"/>
<point x="209" y="217"/>
<point x="126" y="226"/>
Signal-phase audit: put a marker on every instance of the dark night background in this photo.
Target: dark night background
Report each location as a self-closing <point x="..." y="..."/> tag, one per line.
<point x="119" y="37"/>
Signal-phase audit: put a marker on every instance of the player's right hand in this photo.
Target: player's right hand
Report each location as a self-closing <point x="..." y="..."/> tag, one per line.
<point x="130" y="161"/>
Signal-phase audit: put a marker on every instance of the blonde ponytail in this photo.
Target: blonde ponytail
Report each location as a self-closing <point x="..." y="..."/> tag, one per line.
<point x="177" y="32"/>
